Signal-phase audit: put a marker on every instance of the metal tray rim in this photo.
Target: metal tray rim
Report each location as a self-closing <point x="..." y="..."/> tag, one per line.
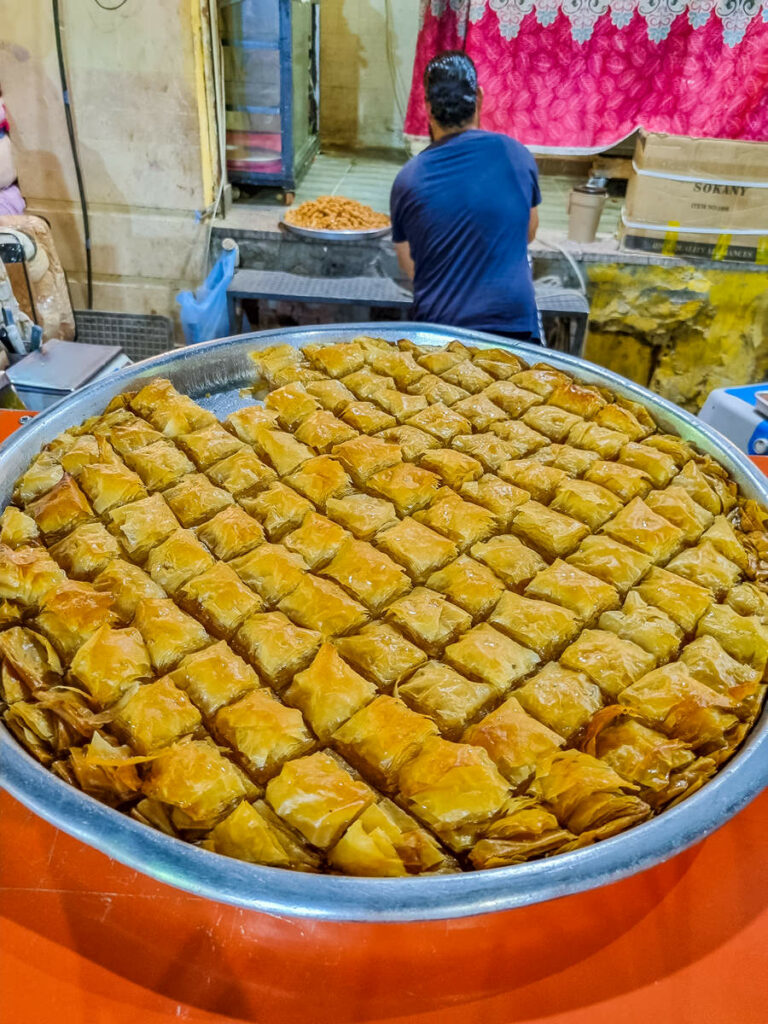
<point x="329" y="235"/>
<point x="276" y="891"/>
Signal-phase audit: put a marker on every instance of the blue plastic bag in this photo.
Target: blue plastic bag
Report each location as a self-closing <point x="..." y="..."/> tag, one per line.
<point x="204" y="314"/>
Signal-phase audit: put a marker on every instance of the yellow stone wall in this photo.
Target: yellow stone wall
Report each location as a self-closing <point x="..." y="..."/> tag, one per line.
<point x="679" y="330"/>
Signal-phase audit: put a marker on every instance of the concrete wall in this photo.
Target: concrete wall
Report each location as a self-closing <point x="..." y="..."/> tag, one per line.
<point x="137" y="79"/>
<point x="363" y="92"/>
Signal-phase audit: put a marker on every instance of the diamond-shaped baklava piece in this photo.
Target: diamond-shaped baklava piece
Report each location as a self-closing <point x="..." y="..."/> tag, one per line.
<point x="710" y="664"/>
<point x="320" y="479"/>
<point x="400" y="405"/>
<point x="369" y="575"/>
<point x="154" y="716"/>
<point x="276" y="647"/>
<point x="447" y="697"/>
<point x="160" y="465"/>
<point x="673" y="700"/>
<point x="245" y="423"/>
<point x="643" y="624"/>
<point x="60" y="509"/>
<point x="679" y="508"/>
<point x="610" y="561"/>
<point x="386" y="842"/>
<point x="336" y="360"/>
<point x="329" y="692"/>
<point x="293" y="405"/>
<point x="142" y="525"/>
<point x="254" y="833"/>
<point x="323" y="606"/>
<point x="30" y="658"/>
<point x="219" y="599"/>
<point x="418" y="549"/>
<point x="322" y="430"/>
<point x="43" y="473"/>
<point x="745" y="638"/>
<point x="454" y="788"/>
<point x="500" y="497"/>
<point x="442" y="422"/>
<point x="485" y="653"/>
<point x="382" y="737"/>
<point x="28" y="575"/>
<point x="85" y="551"/>
<point x="435" y="390"/>
<point x="468" y="584"/>
<point x="479" y="410"/>
<point x="412" y="441"/>
<point x="455" y="468"/>
<point x="514" y="740"/>
<point x="428" y="619"/>
<point x="195" y="779"/>
<point x="573" y="461"/>
<point x="467" y="375"/>
<point x="724" y="538"/>
<point x="552" y="534"/>
<point x="408" y="487"/>
<point x="682" y="600"/>
<point x="271" y="570"/>
<point x="71" y="613"/>
<point x="562" y="700"/>
<point x="606" y="443"/>
<point x="640" y="527"/>
<point x="659" y="466"/>
<point x="279" y="509"/>
<point x="214" y="677"/>
<point x="382" y="654"/>
<point x="126" y="585"/>
<point x="511" y="560"/>
<point x="707" y="489"/>
<point x="462" y="521"/>
<point x="17" y="529"/>
<point x="626" y="482"/>
<point x="195" y="499"/>
<point x="168" y="632"/>
<point x="573" y="589"/>
<point x="365" y="417"/>
<point x="230" y="533"/>
<point x="317" y="540"/>
<point x="209" y="445"/>
<point x="702" y="564"/>
<point x="543" y="627"/>
<point x="590" y="503"/>
<point x="319" y="797"/>
<point x="581" y="399"/>
<point x="512" y="399"/>
<point x="362" y="514"/>
<point x="110" y="662"/>
<point x="108" y="486"/>
<point x="133" y="434"/>
<point x="520" y="438"/>
<point x="279" y="449"/>
<point x="610" y="662"/>
<point x="554" y="423"/>
<point x="364" y="456"/>
<point x="262" y="732"/>
<point x="241" y="473"/>
<point x="540" y="481"/>
<point x="180" y="557"/>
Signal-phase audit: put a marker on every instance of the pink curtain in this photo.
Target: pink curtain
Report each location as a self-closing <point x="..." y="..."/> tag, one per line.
<point x="583" y="74"/>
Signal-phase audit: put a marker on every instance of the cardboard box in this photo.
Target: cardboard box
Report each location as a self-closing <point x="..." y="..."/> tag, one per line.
<point x="697" y="197"/>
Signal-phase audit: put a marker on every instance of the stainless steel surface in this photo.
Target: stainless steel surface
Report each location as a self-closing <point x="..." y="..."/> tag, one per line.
<point x="213" y="373"/>
<point x="61" y="366"/>
<point x="323" y="235"/>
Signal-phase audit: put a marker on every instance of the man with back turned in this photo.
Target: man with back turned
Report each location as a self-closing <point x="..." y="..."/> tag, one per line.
<point x="463" y="212"/>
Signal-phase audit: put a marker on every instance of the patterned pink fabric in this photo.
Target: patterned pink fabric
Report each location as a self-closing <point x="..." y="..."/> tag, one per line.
<point x="549" y="90"/>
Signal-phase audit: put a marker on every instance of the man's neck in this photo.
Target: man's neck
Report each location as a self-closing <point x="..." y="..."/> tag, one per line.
<point x="438" y="132"/>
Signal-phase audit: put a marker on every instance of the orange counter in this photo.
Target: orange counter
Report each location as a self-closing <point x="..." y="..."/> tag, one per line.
<point x="84" y="940"/>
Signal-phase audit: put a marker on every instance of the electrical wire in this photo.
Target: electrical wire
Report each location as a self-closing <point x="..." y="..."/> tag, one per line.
<point x="106" y="7"/>
<point x="75" y="157"/>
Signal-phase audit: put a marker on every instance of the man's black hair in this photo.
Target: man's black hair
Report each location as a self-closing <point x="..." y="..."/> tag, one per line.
<point x="450" y="86"/>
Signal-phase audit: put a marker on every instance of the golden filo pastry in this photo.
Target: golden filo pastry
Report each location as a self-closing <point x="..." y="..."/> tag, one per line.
<point x="408" y="611"/>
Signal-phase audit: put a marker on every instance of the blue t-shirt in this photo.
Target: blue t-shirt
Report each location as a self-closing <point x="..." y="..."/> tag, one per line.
<point x="464" y="205"/>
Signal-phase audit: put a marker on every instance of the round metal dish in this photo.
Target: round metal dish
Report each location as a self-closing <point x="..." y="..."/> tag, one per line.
<point x="214" y="373"/>
<point x="324" y="235"/>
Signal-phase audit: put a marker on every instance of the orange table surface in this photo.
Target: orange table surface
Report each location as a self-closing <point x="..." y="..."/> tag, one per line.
<point x="84" y="939"/>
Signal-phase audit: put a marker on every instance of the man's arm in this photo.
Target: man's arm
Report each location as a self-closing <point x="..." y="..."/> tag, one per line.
<point x="533" y="224"/>
<point x="405" y="260"/>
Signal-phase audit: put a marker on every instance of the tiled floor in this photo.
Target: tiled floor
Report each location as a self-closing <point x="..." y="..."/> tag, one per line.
<point x="369" y="179"/>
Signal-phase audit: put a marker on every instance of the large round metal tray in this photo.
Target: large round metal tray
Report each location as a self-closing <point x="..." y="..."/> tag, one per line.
<point x="214" y="374"/>
<point x="325" y="235"/>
